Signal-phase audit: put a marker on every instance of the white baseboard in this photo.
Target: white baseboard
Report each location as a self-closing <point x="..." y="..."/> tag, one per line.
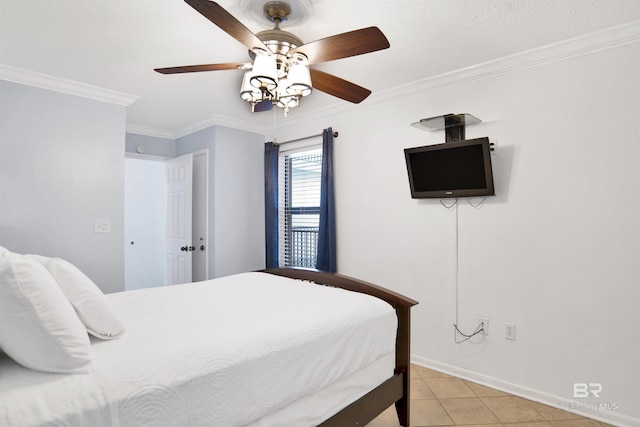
<point x="606" y="416"/>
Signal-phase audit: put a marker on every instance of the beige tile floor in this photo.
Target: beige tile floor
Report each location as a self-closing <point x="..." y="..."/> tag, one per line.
<point x="439" y="399"/>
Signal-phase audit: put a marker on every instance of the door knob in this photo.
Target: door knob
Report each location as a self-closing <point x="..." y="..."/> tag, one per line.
<point x="192" y="248"/>
<point x="202" y="247"/>
<point x="184" y="248"/>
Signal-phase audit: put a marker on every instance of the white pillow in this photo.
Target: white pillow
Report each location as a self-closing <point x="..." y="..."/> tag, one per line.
<point x="93" y="309"/>
<point x="3" y="251"/>
<point x="38" y="326"/>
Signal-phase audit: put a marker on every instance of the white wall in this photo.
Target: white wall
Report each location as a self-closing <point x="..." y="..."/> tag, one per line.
<point x="556" y="251"/>
<point x="239" y="205"/>
<point x="154" y="146"/>
<point x="62" y="167"/>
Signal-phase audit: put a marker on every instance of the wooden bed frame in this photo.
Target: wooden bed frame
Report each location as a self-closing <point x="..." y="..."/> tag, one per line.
<point x="394" y="390"/>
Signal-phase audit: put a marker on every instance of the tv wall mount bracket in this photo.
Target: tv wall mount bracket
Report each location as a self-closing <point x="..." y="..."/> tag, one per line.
<point x="453" y="125"/>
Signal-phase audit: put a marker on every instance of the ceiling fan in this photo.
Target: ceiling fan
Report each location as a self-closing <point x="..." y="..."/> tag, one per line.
<point x="279" y="73"/>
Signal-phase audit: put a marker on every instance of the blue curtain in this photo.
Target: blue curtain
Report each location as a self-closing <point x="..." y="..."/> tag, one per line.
<point x="327" y="230"/>
<point x="271" y="152"/>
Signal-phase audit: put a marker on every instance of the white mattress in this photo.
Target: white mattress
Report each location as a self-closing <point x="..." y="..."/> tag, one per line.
<point x="240" y="350"/>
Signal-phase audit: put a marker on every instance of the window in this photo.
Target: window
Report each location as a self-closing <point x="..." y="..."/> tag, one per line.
<point x="299" y="212"/>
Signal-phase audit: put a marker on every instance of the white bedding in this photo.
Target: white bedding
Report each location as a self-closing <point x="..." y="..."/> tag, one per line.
<point x="227" y="352"/>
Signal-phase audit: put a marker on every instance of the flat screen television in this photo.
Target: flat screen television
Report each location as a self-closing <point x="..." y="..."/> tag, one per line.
<point x="452" y="169"/>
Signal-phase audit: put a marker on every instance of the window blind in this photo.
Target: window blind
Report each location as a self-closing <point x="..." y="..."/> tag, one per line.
<point x="299" y="207"/>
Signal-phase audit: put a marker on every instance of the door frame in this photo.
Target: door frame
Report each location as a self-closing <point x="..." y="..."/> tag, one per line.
<point x="203" y="152"/>
<point x="205" y="196"/>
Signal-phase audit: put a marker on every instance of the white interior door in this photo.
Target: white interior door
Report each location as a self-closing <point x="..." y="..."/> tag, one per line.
<point x="179" y="247"/>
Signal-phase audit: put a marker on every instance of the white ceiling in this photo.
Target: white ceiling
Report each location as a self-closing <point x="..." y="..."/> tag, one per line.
<point x="116" y="44"/>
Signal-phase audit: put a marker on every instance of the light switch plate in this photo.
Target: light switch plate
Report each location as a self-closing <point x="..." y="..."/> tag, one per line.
<point x="102" y="226"/>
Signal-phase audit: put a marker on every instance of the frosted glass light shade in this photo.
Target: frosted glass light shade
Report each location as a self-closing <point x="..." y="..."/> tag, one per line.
<point x="283" y="84"/>
<point x="247" y="91"/>
<point x="265" y="72"/>
<point x="299" y="80"/>
<point x="289" y="101"/>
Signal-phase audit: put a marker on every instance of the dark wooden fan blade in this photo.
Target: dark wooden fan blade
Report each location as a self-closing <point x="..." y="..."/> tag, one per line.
<point x="203" y="67"/>
<point x="344" y="45"/>
<point x="336" y="86"/>
<point x="227" y="22"/>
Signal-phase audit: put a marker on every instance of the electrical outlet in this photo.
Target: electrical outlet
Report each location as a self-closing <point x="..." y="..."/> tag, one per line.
<point x="485" y="324"/>
<point x="510" y="331"/>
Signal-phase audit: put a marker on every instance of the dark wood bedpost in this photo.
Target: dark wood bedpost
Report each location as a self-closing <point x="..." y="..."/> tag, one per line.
<point x="403" y="363"/>
<point x="396" y="389"/>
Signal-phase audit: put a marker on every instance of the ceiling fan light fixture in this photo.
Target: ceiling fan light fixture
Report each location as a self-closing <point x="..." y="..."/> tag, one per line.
<point x="265" y="72"/>
<point x="287" y="102"/>
<point x="283" y="84"/>
<point x="247" y="91"/>
<point x="277" y="77"/>
<point x="299" y="80"/>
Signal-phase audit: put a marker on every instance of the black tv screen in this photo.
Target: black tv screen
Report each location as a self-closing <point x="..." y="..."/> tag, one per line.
<point x="452" y="169"/>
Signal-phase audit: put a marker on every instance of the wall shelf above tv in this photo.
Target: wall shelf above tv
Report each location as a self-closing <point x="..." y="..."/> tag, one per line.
<point x="453" y="125"/>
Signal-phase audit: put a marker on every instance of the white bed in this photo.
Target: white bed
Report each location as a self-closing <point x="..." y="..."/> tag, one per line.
<point x="251" y="349"/>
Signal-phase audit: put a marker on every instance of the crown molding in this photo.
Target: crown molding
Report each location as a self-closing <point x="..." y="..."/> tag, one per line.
<point x="217" y="120"/>
<point x="586" y="44"/>
<point x="196" y="125"/>
<point x="149" y="131"/>
<point x="593" y="42"/>
<point x="70" y="87"/>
